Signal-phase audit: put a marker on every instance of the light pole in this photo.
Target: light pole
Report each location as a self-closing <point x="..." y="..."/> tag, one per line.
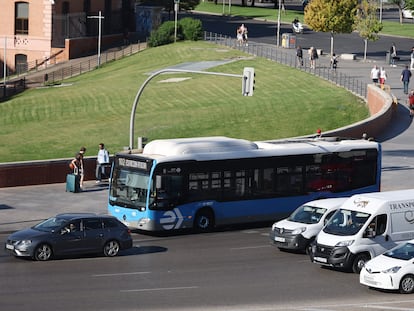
<point x="100" y="17"/>
<point x="278" y="26"/>
<point x="380" y="15"/>
<point x="5" y="66"/>
<point x="176" y="8"/>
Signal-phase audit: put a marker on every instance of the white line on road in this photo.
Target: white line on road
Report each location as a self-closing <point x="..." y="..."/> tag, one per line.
<point x="157" y="289"/>
<point x="119" y="274"/>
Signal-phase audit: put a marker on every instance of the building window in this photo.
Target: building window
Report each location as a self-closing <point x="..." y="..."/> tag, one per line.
<point x="21" y="21"/>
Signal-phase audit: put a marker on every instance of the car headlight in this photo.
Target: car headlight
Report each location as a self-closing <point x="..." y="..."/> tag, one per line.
<point x="274" y="226"/>
<point x="299" y="230"/>
<point x="345" y="243"/>
<point x="392" y="270"/>
<point x="23" y="244"/>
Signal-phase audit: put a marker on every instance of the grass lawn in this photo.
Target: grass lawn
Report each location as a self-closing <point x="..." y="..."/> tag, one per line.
<point x="95" y="107"/>
<point x="390" y="28"/>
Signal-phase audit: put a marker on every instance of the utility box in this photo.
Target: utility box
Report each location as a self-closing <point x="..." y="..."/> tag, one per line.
<point x="288" y="41"/>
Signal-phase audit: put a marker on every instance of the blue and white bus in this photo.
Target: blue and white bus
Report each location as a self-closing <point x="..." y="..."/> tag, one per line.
<point x="205" y="182"/>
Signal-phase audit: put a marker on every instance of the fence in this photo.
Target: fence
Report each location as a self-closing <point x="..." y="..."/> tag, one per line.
<point x="276" y="54"/>
<point x="57" y="73"/>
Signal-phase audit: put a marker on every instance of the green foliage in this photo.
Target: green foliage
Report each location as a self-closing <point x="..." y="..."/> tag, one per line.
<point x="331" y="16"/>
<point x="164" y="34"/>
<point x="409" y="5"/>
<point x="192" y="28"/>
<point x="366" y="21"/>
<point x="187" y="28"/>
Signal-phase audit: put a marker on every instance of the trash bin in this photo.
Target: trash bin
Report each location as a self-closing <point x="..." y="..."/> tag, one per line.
<point x="388" y="58"/>
<point x="288" y="41"/>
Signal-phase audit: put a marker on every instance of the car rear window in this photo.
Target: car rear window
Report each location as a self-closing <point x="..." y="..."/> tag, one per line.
<point x="110" y="223"/>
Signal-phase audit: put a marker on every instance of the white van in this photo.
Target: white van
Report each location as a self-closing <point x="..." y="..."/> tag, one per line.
<point x="365" y="226"/>
<point x="298" y="230"/>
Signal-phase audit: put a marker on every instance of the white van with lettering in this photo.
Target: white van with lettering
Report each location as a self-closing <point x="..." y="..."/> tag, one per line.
<point x="365" y="226"/>
<point x="298" y="230"/>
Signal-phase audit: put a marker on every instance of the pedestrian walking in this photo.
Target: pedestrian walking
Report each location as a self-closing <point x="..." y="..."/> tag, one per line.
<point x="313" y="56"/>
<point x="334" y="61"/>
<point x="393" y="55"/>
<point x="101" y="160"/>
<point x="410" y="102"/>
<point x="299" y="55"/>
<point x="405" y="78"/>
<point x="382" y="77"/>
<point x="375" y="74"/>
<point x="412" y="59"/>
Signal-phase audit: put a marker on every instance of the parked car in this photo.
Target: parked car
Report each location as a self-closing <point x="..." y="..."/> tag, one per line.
<point x="393" y="270"/>
<point x="70" y="234"/>
<point x="298" y="230"/>
<point x="407" y="14"/>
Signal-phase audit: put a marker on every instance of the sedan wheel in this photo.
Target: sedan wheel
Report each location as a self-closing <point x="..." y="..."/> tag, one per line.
<point x="111" y="248"/>
<point x="43" y="252"/>
<point x="407" y="284"/>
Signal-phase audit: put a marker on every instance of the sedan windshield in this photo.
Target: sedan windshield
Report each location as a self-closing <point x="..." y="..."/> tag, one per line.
<point x="403" y="252"/>
<point x="307" y="214"/>
<point x="51" y="224"/>
<point x="346" y="222"/>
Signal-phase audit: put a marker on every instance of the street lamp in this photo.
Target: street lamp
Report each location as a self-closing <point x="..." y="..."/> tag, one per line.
<point x="278" y="25"/>
<point x="176" y="8"/>
<point x="100" y="17"/>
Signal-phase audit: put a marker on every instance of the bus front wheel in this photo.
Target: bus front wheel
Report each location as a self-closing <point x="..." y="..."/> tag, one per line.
<point x="204" y="220"/>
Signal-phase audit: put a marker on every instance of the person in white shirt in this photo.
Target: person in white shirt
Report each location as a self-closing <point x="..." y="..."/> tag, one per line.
<point x="101" y="160"/>
<point x="375" y="74"/>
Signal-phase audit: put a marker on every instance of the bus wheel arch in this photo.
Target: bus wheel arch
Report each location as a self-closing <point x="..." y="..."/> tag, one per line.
<point x="204" y="220"/>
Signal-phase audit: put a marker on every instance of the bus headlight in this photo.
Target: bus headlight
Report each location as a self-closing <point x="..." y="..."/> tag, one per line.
<point x="143" y="221"/>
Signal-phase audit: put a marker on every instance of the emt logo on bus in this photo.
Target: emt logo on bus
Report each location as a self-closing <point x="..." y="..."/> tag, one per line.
<point x="171" y="219"/>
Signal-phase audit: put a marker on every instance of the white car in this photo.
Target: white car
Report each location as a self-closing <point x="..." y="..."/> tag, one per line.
<point x="393" y="270"/>
<point x="298" y="230"/>
<point x="407" y="14"/>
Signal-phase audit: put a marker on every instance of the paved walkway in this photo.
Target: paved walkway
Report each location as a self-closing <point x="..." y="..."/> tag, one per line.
<point x="21" y="207"/>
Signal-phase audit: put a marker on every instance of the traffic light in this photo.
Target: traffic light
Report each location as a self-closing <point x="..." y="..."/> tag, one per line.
<point x="248" y="81"/>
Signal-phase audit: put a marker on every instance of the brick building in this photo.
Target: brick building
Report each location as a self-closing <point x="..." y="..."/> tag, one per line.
<point x="34" y="33"/>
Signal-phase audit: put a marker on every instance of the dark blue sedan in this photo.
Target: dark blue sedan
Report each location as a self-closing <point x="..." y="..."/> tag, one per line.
<point x="71" y="234"/>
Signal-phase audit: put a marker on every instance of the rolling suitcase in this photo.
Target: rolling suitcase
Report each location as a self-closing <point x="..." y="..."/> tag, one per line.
<point x="72" y="183"/>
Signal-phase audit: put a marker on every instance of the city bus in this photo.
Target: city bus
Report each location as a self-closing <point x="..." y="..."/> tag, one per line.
<point x="205" y="182"/>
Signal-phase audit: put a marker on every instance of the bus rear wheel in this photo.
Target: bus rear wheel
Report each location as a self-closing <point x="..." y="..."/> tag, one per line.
<point x="204" y="220"/>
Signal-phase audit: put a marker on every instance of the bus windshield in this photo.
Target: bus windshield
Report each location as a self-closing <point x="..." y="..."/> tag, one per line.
<point x="346" y="222"/>
<point x="129" y="188"/>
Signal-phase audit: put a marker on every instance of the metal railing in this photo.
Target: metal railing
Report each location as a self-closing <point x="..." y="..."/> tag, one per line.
<point x="288" y="58"/>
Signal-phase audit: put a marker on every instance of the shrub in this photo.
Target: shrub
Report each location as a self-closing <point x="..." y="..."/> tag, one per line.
<point x="192" y="28"/>
<point x="165" y="34"/>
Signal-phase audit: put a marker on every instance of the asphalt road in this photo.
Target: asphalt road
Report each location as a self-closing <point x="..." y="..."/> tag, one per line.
<point x="230" y="270"/>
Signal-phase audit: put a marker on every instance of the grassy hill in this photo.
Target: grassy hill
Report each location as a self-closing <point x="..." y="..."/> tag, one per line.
<point x="95" y="107"/>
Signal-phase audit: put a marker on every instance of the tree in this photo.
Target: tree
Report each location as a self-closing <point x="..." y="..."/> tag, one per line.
<point x="367" y="23"/>
<point x="409" y="5"/>
<point x="400" y="4"/>
<point x="331" y="16"/>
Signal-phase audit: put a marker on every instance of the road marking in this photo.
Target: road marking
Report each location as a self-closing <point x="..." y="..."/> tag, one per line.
<point x="157" y="289"/>
<point x="248" y="247"/>
<point x="119" y="274"/>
